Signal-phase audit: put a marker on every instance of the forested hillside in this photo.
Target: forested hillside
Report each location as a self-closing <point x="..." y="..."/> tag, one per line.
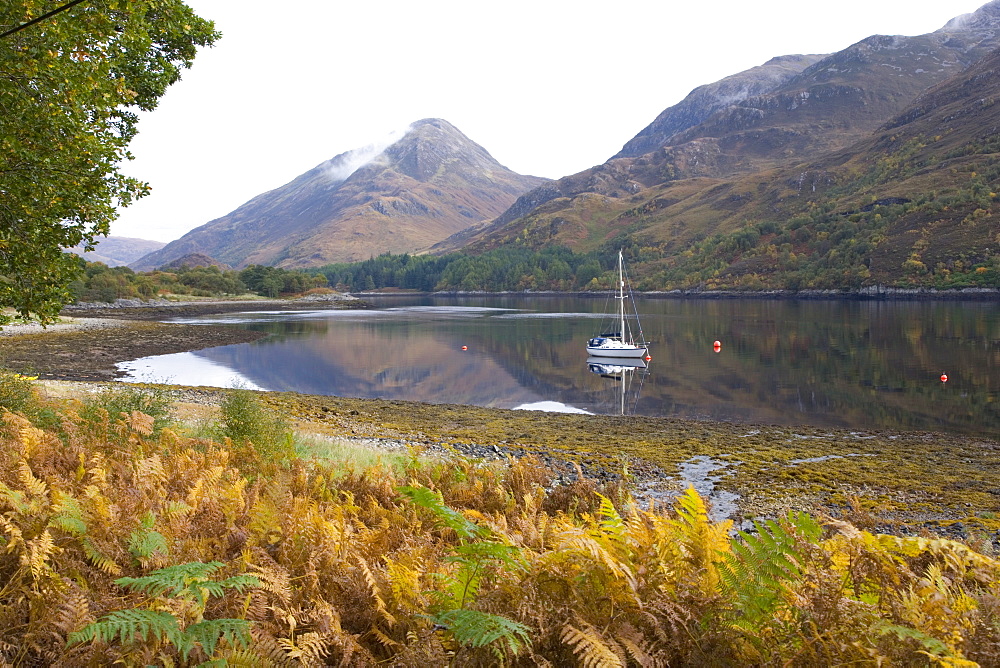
<point x="838" y="177"/>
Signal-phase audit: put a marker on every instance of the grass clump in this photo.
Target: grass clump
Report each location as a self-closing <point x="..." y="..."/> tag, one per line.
<point x="17" y="393"/>
<point x="349" y="455"/>
<point x="247" y="422"/>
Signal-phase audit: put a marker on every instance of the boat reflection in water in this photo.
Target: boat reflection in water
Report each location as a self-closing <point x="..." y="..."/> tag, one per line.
<point x="630" y="373"/>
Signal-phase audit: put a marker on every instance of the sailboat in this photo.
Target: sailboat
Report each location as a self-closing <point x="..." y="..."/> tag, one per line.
<point x="621" y="343"/>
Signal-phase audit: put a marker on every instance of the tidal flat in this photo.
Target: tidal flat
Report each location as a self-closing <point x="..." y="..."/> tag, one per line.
<point x="888" y="481"/>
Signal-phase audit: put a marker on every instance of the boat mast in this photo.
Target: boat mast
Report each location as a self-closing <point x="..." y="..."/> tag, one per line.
<point x="621" y="296"/>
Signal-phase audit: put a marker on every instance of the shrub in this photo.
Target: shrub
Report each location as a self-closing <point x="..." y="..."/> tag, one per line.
<point x="115" y="404"/>
<point x="17" y="393"/>
<point x="245" y="420"/>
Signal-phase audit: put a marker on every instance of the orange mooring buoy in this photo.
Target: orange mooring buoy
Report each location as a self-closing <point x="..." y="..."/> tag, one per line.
<point x="647" y="358"/>
<point x="944" y="378"/>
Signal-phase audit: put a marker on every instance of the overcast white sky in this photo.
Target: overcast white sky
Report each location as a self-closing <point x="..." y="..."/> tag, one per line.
<point x="548" y="87"/>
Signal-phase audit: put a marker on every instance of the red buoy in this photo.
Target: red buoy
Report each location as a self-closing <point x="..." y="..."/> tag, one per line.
<point x="944" y="378"/>
<point x="648" y="358"/>
<point x="465" y="347"/>
<point x="717" y="346"/>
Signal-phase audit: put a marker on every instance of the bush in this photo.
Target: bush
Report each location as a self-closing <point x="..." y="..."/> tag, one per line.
<point x="245" y="420"/>
<point x="114" y="404"/>
<point x="17" y="393"/>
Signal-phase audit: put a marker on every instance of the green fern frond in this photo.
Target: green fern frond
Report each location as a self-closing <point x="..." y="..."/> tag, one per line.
<point x="449" y="517"/>
<point x="473" y="628"/>
<point x="491" y="550"/>
<point x="929" y="643"/>
<point x="127" y="625"/>
<point x="175" y="579"/>
<point x="14" y="498"/>
<point x="68" y="515"/>
<point x="611" y="523"/>
<point x="144" y="543"/>
<point x="209" y="632"/>
<point x="190" y="580"/>
<point x="763" y="566"/>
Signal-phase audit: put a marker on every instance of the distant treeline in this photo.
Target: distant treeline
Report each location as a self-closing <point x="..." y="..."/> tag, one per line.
<point x="505" y="269"/>
<point x="100" y="283"/>
<point x="822" y="250"/>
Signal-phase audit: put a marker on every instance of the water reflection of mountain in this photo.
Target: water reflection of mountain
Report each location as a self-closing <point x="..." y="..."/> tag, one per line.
<point x="836" y="364"/>
<point x="354" y="363"/>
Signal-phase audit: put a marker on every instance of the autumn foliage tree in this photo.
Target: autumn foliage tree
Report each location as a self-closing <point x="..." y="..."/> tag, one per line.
<point x="71" y="87"/>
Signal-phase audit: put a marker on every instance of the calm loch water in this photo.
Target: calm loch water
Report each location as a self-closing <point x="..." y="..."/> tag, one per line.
<point x="834" y="364"/>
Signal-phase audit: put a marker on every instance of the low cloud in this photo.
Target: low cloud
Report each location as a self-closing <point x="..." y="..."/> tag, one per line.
<point x="342" y="166"/>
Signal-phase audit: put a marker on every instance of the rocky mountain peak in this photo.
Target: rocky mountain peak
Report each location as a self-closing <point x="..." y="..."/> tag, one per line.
<point x="705" y="100"/>
<point x="433" y="143"/>
<point x="986" y="18"/>
<point x="400" y="194"/>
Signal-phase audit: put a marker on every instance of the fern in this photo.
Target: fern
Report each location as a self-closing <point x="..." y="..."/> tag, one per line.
<point x="433" y="501"/>
<point x="99" y="559"/>
<point x="309" y="648"/>
<point x="611" y="522"/>
<point x="759" y="572"/>
<point x="68" y="514"/>
<point x="209" y="632"/>
<point x="127" y="625"/>
<point x="188" y="580"/>
<point x="144" y="542"/>
<point x="702" y="542"/>
<point x="39" y="550"/>
<point x="473" y="628"/>
<point x="592" y="649"/>
<point x="477" y="547"/>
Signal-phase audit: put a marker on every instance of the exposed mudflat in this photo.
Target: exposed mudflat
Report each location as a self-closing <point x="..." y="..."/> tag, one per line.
<point x="903" y="482"/>
<point x="88" y="341"/>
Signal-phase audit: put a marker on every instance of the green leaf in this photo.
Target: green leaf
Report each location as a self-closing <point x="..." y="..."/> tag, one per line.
<point x="479" y="629"/>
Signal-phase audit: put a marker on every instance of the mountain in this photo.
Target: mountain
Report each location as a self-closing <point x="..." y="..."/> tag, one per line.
<point x="791" y="110"/>
<point x="415" y="190"/>
<point x="193" y="260"/>
<point x="117" y="251"/>
<point x="705" y="100"/>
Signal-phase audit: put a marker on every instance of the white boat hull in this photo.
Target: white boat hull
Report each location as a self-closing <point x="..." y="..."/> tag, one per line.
<point x="617" y="351"/>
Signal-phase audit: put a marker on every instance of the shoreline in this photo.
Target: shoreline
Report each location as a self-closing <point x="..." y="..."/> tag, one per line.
<point x="874" y="294"/>
<point x="88" y="342"/>
<point x="895" y="481"/>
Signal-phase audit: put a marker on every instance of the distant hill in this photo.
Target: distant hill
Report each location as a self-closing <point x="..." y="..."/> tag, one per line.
<point x="736" y="170"/>
<point x="117" y="251"/>
<point x="193" y="260"/>
<point x="423" y="186"/>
